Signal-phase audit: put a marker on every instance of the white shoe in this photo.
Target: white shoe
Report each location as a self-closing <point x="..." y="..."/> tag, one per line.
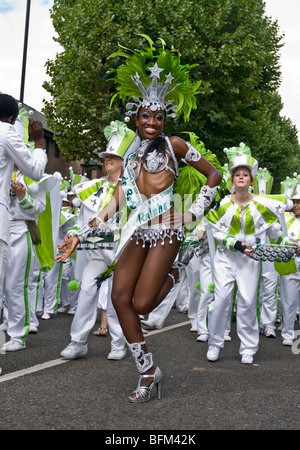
<point x="269" y="332"/>
<point x="12" y="346"/>
<point x="116" y="354"/>
<point x="45" y="316"/>
<point x="193" y="329"/>
<point x="33" y="330"/>
<point x="74" y="350"/>
<point x="247" y="359"/>
<point x="63" y="309"/>
<point x="150" y="324"/>
<point x="226" y="336"/>
<point x="72" y="310"/>
<point x="288" y="342"/>
<point x="3" y="326"/>
<point x="202" y="338"/>
<point x="213" y="353"/>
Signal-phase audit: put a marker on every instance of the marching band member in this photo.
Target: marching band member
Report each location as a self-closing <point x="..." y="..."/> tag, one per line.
<point x="240" y="219"/>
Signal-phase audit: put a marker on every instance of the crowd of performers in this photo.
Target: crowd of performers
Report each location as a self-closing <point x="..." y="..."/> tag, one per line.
<point x="166" y="219"/>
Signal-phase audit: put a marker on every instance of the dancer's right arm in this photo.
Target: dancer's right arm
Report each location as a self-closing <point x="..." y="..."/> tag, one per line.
<point x="70" y="242"/>
<point x="113" y="206"/>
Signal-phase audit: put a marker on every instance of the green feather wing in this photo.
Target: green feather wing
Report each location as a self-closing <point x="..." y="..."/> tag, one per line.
<point x="190" y="181"/>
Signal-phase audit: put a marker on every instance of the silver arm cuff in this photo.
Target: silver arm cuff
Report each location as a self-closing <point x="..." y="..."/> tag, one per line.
<point x="84" y="233"/>
<point x="192" y="155"/>
<point x="204" y="199"/>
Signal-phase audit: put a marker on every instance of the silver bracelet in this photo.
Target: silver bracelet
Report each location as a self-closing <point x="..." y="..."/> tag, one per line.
<point x="204" y="199"/>
<point x="100" y="221"/>
<point x="84" y="233"/>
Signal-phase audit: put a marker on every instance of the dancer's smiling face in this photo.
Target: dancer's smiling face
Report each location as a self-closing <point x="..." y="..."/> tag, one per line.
<point x="150" y="123"/>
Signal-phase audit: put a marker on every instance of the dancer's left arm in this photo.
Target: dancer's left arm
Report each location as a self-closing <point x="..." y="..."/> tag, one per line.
<point x="185" y="151"/>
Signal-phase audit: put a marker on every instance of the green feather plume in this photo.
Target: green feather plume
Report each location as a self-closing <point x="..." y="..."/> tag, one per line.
<point x="105" y="274"/>
<point x="138" y="61"/>
<point x="190" y="181"/>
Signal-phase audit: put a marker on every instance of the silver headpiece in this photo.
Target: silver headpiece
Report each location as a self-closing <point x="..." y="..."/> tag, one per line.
<point x="154" y="95"/>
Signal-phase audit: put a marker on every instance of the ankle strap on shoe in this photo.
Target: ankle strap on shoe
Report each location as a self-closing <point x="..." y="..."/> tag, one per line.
<point x="144" y="361"/>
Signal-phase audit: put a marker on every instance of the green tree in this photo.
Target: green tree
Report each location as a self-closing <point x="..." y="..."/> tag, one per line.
<point x="234" y="44"/>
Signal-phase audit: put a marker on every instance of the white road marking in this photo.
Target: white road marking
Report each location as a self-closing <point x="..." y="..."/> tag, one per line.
<point x="57" y="362"/>
<point x="33" y="369"/>
<point x="162" y="330"/>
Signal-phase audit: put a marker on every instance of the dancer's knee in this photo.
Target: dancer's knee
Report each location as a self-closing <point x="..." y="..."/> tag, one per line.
<point x="143" y="307"/>
<point x="120" y="299"/>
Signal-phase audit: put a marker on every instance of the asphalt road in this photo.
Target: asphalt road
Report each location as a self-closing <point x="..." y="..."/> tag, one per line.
<point x="41" y="391"/>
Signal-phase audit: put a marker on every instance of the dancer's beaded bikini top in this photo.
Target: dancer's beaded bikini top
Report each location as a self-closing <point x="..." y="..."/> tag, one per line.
<point x="155" y="161"/>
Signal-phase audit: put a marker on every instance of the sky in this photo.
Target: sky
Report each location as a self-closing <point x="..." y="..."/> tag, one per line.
<point x="41" y="47"/>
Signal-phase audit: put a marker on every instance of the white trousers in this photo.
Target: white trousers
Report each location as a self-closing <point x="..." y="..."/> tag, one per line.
<point x="34" y="323"/>
<point x="159" y="314"/>
<point x="228" y="268"/>
<point x="68" y="297"/>
<point x="49" y="289"/>
<point x="206" y="297"/>
<point x="19" y="279"/>
<point x="86" y="313"/>
<point x="114" y="328"/>
<point x="3" y="269"/>
<point x="290" y="303"/>
<point x="268" y="299"/>
<point x="183" y="293"/>
<point x="192" y="274"/>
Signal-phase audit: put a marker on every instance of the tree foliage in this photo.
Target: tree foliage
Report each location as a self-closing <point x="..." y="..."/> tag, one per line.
<point x="234" y="44"/>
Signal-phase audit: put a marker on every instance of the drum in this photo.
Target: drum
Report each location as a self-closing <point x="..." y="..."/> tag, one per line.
<point x="274" y="252"/>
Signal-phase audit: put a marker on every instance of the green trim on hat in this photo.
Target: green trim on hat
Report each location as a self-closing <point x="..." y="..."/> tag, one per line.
<point x="263" y="175"/>
<point x="126" y="141"/>
<point x="241" y="161"/>
<point x="123" y="146"/>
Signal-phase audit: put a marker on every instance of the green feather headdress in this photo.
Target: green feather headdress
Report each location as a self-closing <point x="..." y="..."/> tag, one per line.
<point x="138" y="77"/>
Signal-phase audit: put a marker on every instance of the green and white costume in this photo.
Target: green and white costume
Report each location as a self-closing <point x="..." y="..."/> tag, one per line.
<point x="290" y="284"/>
<point x="19" y="284"/>
<point x="229" y="224"/>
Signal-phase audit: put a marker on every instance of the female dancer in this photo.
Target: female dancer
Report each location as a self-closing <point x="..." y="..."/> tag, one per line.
<point x="151" y="237"/>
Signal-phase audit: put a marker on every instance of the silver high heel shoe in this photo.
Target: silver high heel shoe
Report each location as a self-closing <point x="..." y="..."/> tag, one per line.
<point x="142" y="394"/>
<point x="144" y="362"/>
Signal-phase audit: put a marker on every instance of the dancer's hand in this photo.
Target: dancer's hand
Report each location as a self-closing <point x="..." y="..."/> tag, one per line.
<point x="95" y="222"/>
<point x="67" y="248"/>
